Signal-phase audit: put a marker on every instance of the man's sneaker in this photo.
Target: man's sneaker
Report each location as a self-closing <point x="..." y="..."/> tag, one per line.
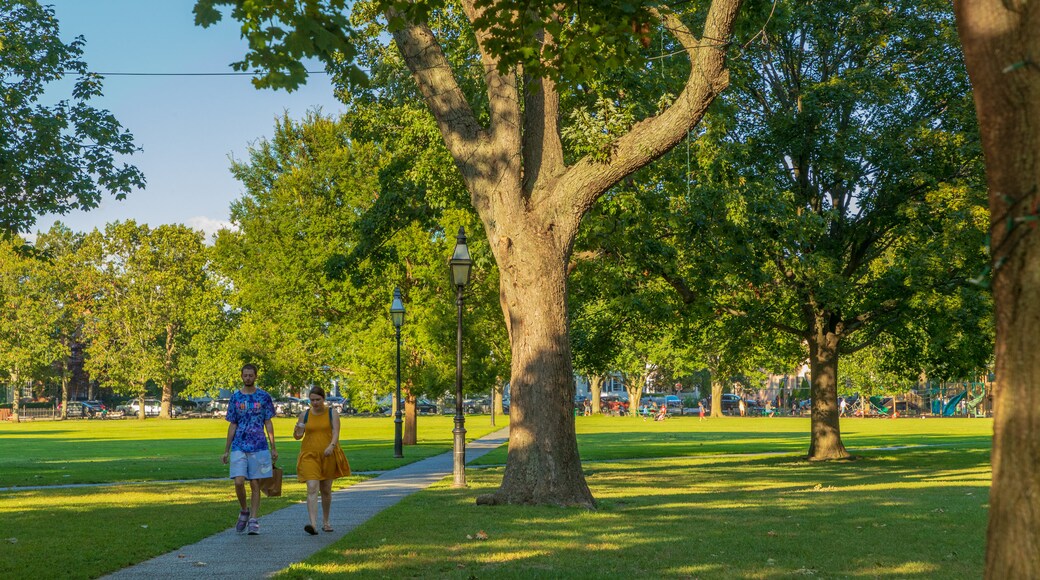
<point x="254" y="526"/>
<point x="243" y="517"/>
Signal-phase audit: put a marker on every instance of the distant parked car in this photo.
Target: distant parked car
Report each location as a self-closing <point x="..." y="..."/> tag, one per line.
<point x="289" y="406"/>
<point x="152" y="407"/>
<point x="219" y="408"/>
<point x="85" y="409"/>
<point x="425" y="407"/>
<point x="477" y="405"/>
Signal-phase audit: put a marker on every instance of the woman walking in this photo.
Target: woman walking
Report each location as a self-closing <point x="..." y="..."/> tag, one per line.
<point x="321" y="460"/>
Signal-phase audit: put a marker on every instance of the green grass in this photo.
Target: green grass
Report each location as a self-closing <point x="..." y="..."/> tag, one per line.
<point x="604" y="437"/>
<point x="89" y="531"/>
<point x="916" y="512"/>
<point x="696" y="508"/>
<point x="61" y="452"/>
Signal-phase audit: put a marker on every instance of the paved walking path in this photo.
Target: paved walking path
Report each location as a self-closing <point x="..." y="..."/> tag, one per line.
<point x="282" y="540"/>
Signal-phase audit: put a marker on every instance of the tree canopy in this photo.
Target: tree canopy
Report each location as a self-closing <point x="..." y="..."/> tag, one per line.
<point x="56" y="156"/>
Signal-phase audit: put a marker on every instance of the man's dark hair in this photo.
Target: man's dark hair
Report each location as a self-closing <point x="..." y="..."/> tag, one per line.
<point x="249" y="366"/>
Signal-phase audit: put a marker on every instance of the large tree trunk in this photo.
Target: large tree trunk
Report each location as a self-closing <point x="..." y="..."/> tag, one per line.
<point x="825" y="442"/>
<point x="531" y="204"/>
<point x="543" y="464"/>
<point x="1001" y="48"/>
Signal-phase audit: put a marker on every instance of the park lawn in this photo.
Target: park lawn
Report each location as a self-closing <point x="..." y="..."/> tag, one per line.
<point x="85" y="532"/>
<point x="98" y="451"/>
<point x="911" y="513"/>
<point x="605" y="437"/>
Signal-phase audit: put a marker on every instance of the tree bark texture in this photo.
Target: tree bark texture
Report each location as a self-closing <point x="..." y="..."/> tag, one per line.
<point x="716" y="398"/>
<point x="410" y="420"/>
<point x="595" y="392"/>
<point x="825" y="440"/>
<point x="543" y="464"/>
<point x="1002" y="50"/>
<point x="531" y="204"/>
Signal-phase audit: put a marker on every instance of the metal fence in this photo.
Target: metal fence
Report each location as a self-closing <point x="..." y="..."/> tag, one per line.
<point x="30" y="413"/>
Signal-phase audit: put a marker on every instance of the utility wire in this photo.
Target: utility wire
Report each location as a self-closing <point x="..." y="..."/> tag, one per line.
<point x="192" y="74"/>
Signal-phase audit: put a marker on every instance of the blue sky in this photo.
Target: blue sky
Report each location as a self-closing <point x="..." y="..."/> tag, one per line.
<point x="187" y="126"/>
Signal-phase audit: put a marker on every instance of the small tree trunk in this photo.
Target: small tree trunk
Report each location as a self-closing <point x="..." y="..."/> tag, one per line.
<point x="543" y="466"/>
<point x="825" y="441"/>
<point x="1001" y="47"/>
<point x="410" y="420"/>
<point x="496" y="402"/>
<point x="64" y="392"/>
<point x="595" y="392"/>
<point x="716" y="397"/>
<point x="635" y="394"/>
<point x="167" y="400"/>
<point x="17" y="395"/>
<point x="140" y="402"/>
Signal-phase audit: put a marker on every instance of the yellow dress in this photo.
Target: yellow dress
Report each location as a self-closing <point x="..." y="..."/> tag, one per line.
<point x="312" y="463"/>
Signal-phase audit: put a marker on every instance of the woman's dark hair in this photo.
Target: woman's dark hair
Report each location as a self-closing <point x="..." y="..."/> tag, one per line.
<point x="317" y="391"/>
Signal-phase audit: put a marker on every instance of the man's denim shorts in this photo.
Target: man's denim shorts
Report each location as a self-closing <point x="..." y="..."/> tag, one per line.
<point x="256" y="465"/>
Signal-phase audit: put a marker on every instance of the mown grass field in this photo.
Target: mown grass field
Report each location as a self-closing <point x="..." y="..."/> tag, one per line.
<point x="676" y="499"/>
<point x="98" y="451"/>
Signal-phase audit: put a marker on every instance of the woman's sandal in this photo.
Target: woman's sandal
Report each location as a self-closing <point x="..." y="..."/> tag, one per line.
<point x="327" y="528"/>
<point x="310" y="530"/>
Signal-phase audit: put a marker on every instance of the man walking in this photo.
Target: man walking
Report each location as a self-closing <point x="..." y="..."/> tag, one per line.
<point x="249" y="415"/>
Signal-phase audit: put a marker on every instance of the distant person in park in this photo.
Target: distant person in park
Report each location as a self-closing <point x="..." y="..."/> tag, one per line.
<point x="844" y="408"/>
<point x="321" y="459"/>
<point x="251" y="454"/>
<point x="742" y="406"/>
<point x="662" y="413"/>
<point x="700" y="409"/>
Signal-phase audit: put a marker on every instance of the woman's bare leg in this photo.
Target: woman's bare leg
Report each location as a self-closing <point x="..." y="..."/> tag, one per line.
<point x="326" y="500"/>
<point x="312" y="501"/>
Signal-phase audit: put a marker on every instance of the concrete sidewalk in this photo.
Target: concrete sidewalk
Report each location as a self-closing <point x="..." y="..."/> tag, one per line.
<point x="282" y="540"/>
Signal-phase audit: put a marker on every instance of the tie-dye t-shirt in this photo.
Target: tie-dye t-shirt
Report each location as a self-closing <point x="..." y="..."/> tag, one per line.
<point x="249" y="412"/>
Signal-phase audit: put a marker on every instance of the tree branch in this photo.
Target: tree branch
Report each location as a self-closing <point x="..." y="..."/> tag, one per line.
<point x="584" y="182"/>
<point x="463" y="135"/>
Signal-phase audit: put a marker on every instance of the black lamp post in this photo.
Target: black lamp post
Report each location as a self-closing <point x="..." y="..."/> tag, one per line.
<point x="460" y="266"/>
<point x="397" y="315"/>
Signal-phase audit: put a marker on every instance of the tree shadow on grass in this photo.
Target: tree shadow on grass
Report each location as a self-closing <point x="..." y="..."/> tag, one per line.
<point x="909" y="514"/>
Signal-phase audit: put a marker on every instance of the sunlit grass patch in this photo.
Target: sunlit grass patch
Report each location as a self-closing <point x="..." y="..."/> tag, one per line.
<point x="62" y="452"/>
<point x="887" y="515"/>
<point x="87" y="532"/>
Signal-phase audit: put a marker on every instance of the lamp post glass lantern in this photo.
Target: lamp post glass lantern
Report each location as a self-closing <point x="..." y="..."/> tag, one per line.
<point x="397" y="315"/>
<point x="460" y="267"/>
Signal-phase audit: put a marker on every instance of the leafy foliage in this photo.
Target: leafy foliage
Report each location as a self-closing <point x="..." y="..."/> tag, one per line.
<point x="56" y="157"/>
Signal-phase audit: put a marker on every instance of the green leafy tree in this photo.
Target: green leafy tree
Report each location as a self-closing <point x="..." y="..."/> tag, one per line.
<point x="58" y="157"/>
<point x="69" y="288"/>
<point x="329" y="225"/>
<point x="154" y="296"/>
<point x="504" y="138"/>
<point x="29" y="342"/>
<point x="835" y="189"/>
